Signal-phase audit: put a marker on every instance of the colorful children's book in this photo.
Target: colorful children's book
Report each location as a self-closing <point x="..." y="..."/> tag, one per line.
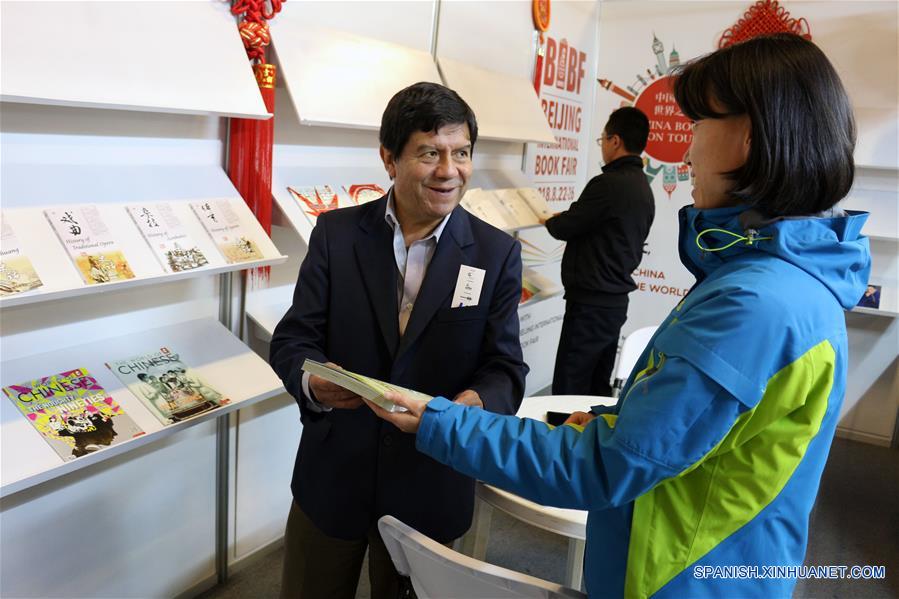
<point x="73" y="413"/>
<point x="90" y="243"/>
<point x="169" y="388"/>
<point x="224" y="227"/>
<point x="17" y="274"/>
<point x="166" y="236"/>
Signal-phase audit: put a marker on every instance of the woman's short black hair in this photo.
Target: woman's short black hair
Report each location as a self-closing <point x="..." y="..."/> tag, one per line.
<point x="423" y="107"/>
<point x="803" y="132"/>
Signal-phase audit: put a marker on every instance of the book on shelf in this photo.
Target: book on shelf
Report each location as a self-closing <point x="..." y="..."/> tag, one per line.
<point x="316" y="200"/>
<point x="90" y="243"/>
<point x="168" y="387"/>
<point x="223" y="225"/>
<point x="871" y="297"/>
<point x="362" y="193"/>
<point x="163" y="231"/>
<point x="367" y="387"/>
<point x="512" y="208"/>
<point x="535" y="201"/>
<point x="517" y="210"/>
<point x="17" y="273"/>
<point x="483" y="205"/>
<point x="73" y="413"/>
<point x="535" y="286"/>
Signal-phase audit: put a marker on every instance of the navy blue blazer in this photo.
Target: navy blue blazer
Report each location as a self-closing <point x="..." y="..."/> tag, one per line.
<point x="352" y="467"/>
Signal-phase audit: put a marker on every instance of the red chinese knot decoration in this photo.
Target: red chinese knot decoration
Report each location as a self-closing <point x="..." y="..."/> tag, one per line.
<point x="250" y="147"/>
<point x="541" y="11"/>
<point x="764" y="17"/>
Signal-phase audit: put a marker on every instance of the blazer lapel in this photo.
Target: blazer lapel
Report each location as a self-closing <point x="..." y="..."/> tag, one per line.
<point x="377" y="264"/>
<point x="440" y="280"/>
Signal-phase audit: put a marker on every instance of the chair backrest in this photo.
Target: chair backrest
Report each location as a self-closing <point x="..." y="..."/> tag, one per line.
<point x="438" y="571"/>
<point x="633" y="346"/>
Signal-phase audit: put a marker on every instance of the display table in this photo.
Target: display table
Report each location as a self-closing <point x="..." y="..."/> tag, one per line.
<point x="566" y="522"/>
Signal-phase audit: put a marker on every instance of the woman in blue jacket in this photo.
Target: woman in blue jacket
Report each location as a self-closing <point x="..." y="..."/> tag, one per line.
<point x="703" y="475"/>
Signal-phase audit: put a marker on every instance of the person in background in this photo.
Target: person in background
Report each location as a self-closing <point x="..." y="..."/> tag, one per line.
<point x="605" y="230"/>
<point x="706" y="470"/>
<point x="382" y="292"/>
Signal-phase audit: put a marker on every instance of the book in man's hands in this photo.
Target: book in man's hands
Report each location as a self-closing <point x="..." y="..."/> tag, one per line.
<point x="371" y="389"/>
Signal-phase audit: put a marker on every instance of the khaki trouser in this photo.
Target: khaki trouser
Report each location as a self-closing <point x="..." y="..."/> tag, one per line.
<point x="317" y="566"/>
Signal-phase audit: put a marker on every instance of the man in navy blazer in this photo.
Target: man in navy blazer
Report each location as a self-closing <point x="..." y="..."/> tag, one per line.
<point x="409" y="289"/>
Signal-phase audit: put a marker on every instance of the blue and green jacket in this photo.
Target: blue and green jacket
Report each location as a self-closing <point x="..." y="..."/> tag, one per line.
<point x="713" y="454"/>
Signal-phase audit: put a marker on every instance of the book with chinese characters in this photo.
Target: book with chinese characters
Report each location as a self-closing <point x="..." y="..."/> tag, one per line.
<point x="17" y="274"/>
<point x="90" y="243"/>
<point x="168" y="387"/>
<point x="162" y="229"/>
<point x="367" y="387"/>
<point x="362" y="193"/>
<point x="224" y="227"/>
<point x="73" y="413"/>
<point x="316" y="200"/>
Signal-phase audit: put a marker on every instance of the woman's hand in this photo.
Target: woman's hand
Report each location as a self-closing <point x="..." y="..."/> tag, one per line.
<point x="405" y="421"/>
<point x="580" y="418"/>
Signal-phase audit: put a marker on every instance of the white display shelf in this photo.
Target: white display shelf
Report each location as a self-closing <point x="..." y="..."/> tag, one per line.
<point x="120" y="55"/>
<point x="266" y="308"/>
<point x="876" y="312"/>
<point x="337" y="79"/>
<point x="204" y="345"/>
<point x="507" y="107"/>
<point x="61" y="280"/>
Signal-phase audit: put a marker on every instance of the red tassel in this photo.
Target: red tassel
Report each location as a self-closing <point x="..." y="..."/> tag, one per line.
<point x="250" y="159"/>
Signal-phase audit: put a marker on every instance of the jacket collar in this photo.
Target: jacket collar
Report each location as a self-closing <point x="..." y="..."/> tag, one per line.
<point x="630" y="160"/>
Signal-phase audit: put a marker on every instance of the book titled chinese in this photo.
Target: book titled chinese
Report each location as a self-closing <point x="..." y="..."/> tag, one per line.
<point x="167" y="386"/>
<point x="224" y="227"/>
<point x="89" y="243"/>
<point x="175" y="250"/>
<point x="73" y="412"/>
<point x="17" y="274"/>
<point x="367" y="387"/>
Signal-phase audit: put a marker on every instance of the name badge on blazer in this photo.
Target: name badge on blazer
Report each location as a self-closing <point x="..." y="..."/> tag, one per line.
<point x="468" y="286"/>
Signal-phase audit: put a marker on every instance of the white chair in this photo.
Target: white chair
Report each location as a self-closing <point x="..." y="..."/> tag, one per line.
<point x="438" y="572"/>
<point x="633" y="346"/>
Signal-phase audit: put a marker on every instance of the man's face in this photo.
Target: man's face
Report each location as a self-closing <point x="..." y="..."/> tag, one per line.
<point x="430" y="175"/>
<point x="608" y="145"/>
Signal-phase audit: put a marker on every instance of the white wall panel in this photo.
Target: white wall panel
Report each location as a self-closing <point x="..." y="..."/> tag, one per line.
<point x="129" y="56"/>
